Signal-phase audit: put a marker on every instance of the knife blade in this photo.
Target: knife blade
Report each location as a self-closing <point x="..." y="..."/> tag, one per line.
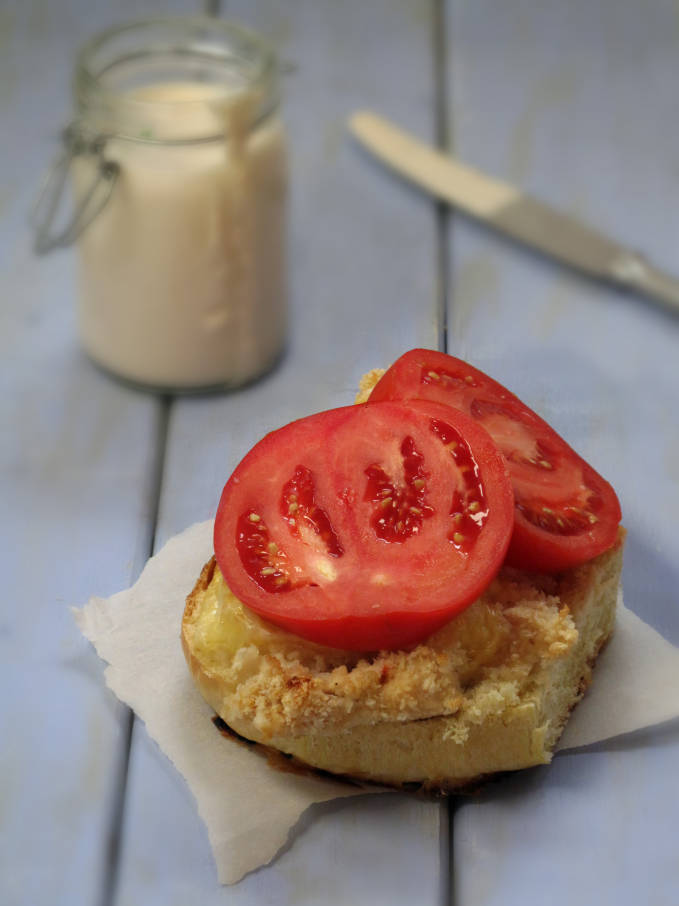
<point x="505" y="208"/>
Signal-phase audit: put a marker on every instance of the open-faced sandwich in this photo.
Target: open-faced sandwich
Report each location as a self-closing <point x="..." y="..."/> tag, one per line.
<point x="410" y="591"/>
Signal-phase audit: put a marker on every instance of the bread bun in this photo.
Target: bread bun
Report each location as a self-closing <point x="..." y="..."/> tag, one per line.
<point x="489" y="692"/>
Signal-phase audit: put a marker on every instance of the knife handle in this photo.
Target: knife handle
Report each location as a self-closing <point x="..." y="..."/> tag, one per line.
<point x="632" y="271"/>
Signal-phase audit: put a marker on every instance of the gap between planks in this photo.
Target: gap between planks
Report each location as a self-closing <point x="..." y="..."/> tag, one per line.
<point x="443" y="140"/>
<point x="164" y="408"/>
<point x="115" y="830"/>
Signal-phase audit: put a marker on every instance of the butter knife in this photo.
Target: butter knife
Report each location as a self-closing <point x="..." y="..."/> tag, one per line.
<point x="506" y="209"/>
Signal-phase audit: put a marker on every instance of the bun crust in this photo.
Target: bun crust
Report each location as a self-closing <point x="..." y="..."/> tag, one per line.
<point x="490" y="692"/>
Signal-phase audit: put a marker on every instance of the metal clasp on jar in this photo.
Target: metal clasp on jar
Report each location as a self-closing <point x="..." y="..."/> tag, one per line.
<point x="45" y="211"/>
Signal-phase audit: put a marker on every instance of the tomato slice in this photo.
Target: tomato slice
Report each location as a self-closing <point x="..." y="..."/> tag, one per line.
<point x="566" y="513"/>
<point x="366" y="527"/>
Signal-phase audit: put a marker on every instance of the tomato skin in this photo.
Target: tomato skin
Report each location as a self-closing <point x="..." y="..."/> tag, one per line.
<point x="566" y="513"/>
<point x="354" y="542"/>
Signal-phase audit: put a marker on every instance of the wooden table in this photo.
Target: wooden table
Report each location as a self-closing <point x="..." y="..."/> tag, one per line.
<point x="575" y="102"/>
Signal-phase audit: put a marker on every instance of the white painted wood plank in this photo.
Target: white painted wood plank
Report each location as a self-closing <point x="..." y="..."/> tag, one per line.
<point x="573" y="103"/>
<point x="595" y="827"/>
<point x="364" y="287"/>
<point x="76" y="452"/>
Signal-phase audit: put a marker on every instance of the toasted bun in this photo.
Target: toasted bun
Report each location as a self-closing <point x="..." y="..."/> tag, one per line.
<point x="490" y="692"/>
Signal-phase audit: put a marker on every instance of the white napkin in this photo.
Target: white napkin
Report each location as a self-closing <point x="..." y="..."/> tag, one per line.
<point x="247" y="806"/>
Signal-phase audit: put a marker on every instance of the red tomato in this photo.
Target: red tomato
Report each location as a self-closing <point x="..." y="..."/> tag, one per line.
<point x="366" y="527"/>
<point x="566" y="513"/>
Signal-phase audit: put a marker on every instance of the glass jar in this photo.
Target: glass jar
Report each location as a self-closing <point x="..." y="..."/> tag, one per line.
<point x="178" y="164"/>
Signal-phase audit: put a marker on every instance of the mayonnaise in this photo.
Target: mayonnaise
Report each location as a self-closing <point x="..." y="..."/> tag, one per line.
<point x="183" y="272"/>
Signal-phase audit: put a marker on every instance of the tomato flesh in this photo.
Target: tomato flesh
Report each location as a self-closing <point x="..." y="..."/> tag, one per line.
<point x="566" y="513"/>
<point x="366" y="527"/>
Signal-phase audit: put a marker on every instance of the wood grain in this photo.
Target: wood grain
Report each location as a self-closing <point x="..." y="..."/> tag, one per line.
<point x="564" y="102"/>
<point x="574" y="103"/>
<point x="364" y="286"/>
<point x="76" y="482"/>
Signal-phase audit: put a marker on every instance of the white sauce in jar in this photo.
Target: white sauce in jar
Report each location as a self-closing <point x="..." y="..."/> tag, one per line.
<point x="183" y="272"/>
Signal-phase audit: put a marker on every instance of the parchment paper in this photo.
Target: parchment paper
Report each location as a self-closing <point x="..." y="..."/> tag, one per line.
<point x="249" y="807"/>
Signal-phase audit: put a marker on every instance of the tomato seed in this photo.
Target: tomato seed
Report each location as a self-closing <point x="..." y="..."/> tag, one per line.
<point x="567" y="520"/>
<point x="469" y="499"/>
<point x="257" y="552"/>
<point x="299" y="497"/>
<point x="400" y="507"/>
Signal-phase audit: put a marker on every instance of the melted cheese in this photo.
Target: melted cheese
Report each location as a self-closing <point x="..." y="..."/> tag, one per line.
<point x="225" y="625"/>
<point x="283" y="684"/>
